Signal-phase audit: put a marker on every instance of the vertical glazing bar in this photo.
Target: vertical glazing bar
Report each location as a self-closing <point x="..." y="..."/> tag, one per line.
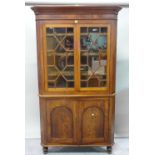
<point x="77" y="57"/>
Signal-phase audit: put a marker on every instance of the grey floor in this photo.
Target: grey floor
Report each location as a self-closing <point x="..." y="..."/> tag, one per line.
<point x="33" y="147"/>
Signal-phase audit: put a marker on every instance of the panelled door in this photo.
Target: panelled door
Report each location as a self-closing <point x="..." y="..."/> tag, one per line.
<point x="61" y="121"/>
<point x="84" y="121"/>
<point x="93" y="117"/>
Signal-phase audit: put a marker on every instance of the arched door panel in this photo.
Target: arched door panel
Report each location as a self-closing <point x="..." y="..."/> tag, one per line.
<point x="61" y="122"/>
<point x="61" y="119"/>
<point x="94" y="121"/>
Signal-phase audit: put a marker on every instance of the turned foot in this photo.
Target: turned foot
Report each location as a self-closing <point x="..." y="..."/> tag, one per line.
<point x="45" y="150"/>
<point x="109" y="149"/>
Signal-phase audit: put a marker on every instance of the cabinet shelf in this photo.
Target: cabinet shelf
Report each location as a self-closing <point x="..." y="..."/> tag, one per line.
<point x="96" y="74"/>
<point x="83" y="54"/>
<point x="62" y="71"/>
<point x="86" y="73"/>
<point x="87" y="50"/>
<point x="101" y="34"/>
<point x="65" y="73"/>
<point x="55" y="52"/>
<point x="54" y="80"/>
<point x="94" y="54"/>
<point x="87" y="80"/>
<point x="61" y="54"/>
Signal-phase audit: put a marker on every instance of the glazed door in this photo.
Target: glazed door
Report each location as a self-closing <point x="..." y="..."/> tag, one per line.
<point x="93" y="118"/>
<point x="76" y="57"/>
<point x="61" y="122"/>
<point x="94" y="49"/>
<point x="59" y="56"/>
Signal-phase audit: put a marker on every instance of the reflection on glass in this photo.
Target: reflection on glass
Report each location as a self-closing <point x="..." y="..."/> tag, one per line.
<point x="49" y="30"/>
<point x="93" y="42"/>
<point x="60" y="57"/>
<point x="51" y="43"/>
<point x="69" y="43"/>
<point x="68" y="73"/>
<point x="59" y="30"/>
<point x="93" y="47"/>
<point x="70" y="59"/>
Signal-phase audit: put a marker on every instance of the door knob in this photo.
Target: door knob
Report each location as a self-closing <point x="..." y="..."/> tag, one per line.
<point x="93" y="114"/>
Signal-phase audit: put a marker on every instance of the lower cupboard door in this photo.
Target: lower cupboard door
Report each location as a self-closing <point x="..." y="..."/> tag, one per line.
<point x="94" y="121"/>
<point x="61" y="122"/>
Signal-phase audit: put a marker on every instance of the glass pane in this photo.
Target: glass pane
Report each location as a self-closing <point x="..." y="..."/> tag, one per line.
<point x="51" y="43"/>
<point x="60" y="82"/>
<point x="84" y="29"/>
<point x="93" y="29"/>
<point x="60" y="62"/>
<point x="50" y="59"/>
<point x="69" y="30"/>
<point x="51" y="84"/>
<point x="70" y="84"/>
<point x="93" y="82"/>
<point x="103" y="29"/>
<point x="93" y="48"/>
<point x="85" y="74"/>
<point x="49" y="30"/>
<point x="68" y="73"/>
<point x="60" y="57"/>
<point x="84" y="58"/>
<point x="68" y="43"/>
<point x="70" y="59"/>
<point x="59" y="30"/>
<point x="84" y="84"/>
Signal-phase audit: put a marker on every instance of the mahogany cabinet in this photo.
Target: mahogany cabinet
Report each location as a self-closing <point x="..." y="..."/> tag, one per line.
<point x="76" y="49"/>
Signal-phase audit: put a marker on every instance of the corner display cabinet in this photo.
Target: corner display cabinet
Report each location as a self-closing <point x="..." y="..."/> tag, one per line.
<point x="76" y="70"/>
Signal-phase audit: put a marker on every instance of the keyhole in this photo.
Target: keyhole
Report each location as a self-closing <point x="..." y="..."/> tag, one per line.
<point x="76" y="21"/>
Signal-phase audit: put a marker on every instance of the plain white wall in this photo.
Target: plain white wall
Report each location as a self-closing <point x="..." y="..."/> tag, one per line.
<point x="122" y="75"/>
<point x="32" y="121"/>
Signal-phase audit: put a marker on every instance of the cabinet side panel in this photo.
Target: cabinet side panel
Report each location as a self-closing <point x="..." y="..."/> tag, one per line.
<point x="40" y="57"/>
<point x="113" y="56"/>
<point x="43" y="120"/>
<point x="111" y="120"/>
